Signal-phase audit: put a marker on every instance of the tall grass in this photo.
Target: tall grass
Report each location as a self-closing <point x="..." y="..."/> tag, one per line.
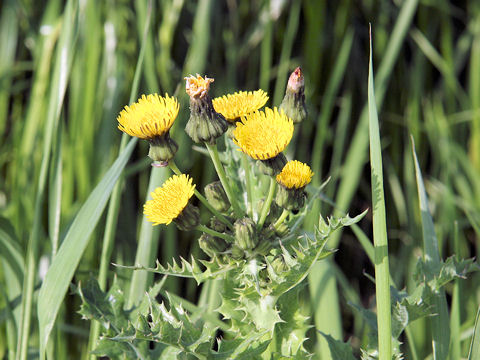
<point x="68" y="68"/>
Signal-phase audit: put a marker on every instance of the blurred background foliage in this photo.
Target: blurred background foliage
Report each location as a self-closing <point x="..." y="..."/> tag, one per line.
<point x="427" y="64"/>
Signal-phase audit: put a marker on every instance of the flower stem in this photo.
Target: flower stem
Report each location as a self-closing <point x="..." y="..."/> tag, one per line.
<point x="202" y="199"/>
<point x="212" y="149"/>
<point x="227" y="238"/>
<point x="268" y="202"/>
<point x="281" y="219"/>
<point x="249" y="185"/>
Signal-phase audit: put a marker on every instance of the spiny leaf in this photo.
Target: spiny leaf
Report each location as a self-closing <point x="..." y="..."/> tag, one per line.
<point x="214" y="268"/>
<point x="250" y="347"/>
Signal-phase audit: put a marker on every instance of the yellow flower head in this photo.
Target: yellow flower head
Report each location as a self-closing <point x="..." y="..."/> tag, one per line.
<point x="233" y="106"/>
<point x="197" y="87"/>
<point x="295" y="174"/>
<point x="169" y="200"/>
<point x="263" y="134"/>
<point x="150" y="116"/>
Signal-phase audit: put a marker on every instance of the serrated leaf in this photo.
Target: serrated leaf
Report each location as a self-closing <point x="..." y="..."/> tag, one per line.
<point x="291" y="333"/>
<point x="242" y="348"/>
<point x="115" y="350"/>
<point x="213" y="268"/>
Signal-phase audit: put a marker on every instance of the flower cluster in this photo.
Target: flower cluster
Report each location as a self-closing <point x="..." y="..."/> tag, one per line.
<point x="261" y="136"/>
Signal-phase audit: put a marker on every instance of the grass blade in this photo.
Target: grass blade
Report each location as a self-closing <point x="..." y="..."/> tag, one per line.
<point x="474" y="352"/>
<point x="55" y="101"/>
<point x="63" y="267"/>
<point x="440" y="324"/>
<point x="382" y="273"/>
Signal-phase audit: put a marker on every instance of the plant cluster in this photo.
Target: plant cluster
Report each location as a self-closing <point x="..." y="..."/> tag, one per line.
<point x="253" y="242"/>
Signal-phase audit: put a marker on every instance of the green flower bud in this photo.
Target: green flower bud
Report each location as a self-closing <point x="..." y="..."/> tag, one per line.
<point x="264" y="247"/>
<point x="237" y="253"/>
<point x="293" y="103"/>
<point x="162" y="148"/>
<point x="245" y="234"/>
<point x="205" y="124"/>
<point x="211" y="245"/>
<point x="291" y="199"/>
<point x="188" y="219"/>
<point x="273" y="166"/>
<point x="217" y="196"/>
<point x="217" y="225"/>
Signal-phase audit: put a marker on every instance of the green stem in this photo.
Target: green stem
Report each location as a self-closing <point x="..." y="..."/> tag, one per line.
<point x="249" y="185"/>
<point x="213" y="151"/>
<point x="268" y="202"/>
<point x="202" y="199"/>
<point x="227" y="238"/>
<point x="281" y="219"/>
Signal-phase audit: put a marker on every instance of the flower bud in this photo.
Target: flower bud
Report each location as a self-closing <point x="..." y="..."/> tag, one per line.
<point x="245" y="234"/>
<point x="162" y="148"/>
<point x="264" y="247"/>
<point x="273" y="166"/>
<point x="291" y="199"/>
<point x="217" y="225"/>
<point x="188" y="219"/>
<point x="205" y="124"/>
<point x="293" y="103"/>
<point x="237" y="253"/>
<point x="211" y="245"/>
<point x="217" y="197"/>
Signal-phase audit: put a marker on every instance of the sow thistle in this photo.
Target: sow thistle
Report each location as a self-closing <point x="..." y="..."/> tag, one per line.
<point x="261" y="256"/>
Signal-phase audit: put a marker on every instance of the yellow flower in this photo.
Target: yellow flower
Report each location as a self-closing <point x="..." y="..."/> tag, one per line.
<point x="263" y="134"/>
<point x="234" y="106"/>
<point x="197" y="87"/>
<point x="169" y="200"/>
<point x="150" y="116"/>
<point x="295" y="174"/>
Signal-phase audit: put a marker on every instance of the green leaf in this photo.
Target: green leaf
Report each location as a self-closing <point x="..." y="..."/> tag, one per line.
<point x="380" y="239"/>
<point x="290" y="334"/>
<point x="10" y="251"/>
<point x="339" y="349"/>
<point x="60" y="273"/>
<point x="242" y="348"/>
<point x="441" y="322"/>
<point x="474" y="352"/>
<point x="213" y="268"/>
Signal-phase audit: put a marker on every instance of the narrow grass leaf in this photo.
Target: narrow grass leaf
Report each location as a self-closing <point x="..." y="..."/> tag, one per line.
<point x="474" y="352"/>
<point x="63" y="267"/>
<point x="64" y="56"/>
<point x="382" y="273"/>
<point x="440" y="324"/>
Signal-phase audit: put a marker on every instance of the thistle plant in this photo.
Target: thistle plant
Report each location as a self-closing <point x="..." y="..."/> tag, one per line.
<point x="253" y="243"/>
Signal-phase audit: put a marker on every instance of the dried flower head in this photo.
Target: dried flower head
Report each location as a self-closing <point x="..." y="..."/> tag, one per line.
<point x="150" y="116"/>
<point x="294" y="101"/>
<point x="169" y="200"/>
<point x="263" y="134"/>
<point x="197" y="87"/>
<point x="296" y="80"/>
<point x="295" y="174"/>
<point x="234" y="106"/>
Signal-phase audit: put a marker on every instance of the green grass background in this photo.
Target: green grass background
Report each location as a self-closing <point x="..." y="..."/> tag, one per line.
<point x="68" y="68"/>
